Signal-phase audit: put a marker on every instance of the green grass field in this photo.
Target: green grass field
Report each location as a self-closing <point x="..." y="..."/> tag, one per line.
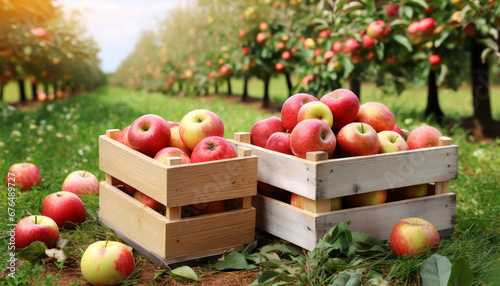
<point x="61" y="136"/>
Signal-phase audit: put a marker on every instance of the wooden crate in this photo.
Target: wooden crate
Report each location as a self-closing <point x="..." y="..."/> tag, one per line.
<point x="319" y="180"/>
<point x="170" y="238"/>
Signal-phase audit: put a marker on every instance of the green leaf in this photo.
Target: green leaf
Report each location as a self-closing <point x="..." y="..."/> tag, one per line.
<point x="249" y="247"/>
<point x="485" y="53"/>
<point x="184" y="272"/>
<point x="234" y="260"/>
<point x="33" y="251"/>
<point x="27" y="50"/>
<point x="348" y="278"/>
<point x="420" y="3"/>
<point x="461" y="274"/>
<point x="404" y="42"/>
<point x="442" y="74"/>
<point x="442" y="37"/>
<point x="352" y="6"/>
<point x="435" y="271"/>
<point x="269" y="276"/>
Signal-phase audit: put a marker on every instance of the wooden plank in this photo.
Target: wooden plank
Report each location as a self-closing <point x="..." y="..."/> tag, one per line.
<point x="209" y="232"/>
<point x="243" y="137"/>
<point x="286" y="221"/>
<point x="113" y="133"/>
<point x="133" y="218"/>
<point x="320" y="206"/>
<point x="379" y="220"/>
<point x="443" y="187"/>
<point x="244" y="152"/>
<point x="354" y="175"/>
<point x="284" y="171"/>
<point x="133" y="168"/>
<point x="212" y="181"/>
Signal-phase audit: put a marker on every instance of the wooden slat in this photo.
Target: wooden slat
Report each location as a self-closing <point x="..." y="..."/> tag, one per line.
<point x="133" y="218"/>
<point x="243" y="137"/>
<point x="212" y="181"/>
<point x="209" y="232"/>
<point x="113" y="133"/>
<point x="320" y="206"/>
<point x="286" y="221"/>
<point x="379" y="220"/>
<point x="443" y="187"/>
<point x="354" y="175"/>
<point x="244" y="152"/>
<point x="133" y="168"/>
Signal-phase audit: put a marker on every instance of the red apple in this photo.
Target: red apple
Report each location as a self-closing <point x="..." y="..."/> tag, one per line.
<point x="398" y="130"/>
<point x="199" y="124"/>
<point x="315" y="110"/>
<point x="148" y="134"/>
<point x="279" y="67"/>
<point x="344" y="105"/>
<point x="213" y="148"/>
<point x="263" y="26"/>
<point x="107" y="263"/>
<point x="309" y="43"/>
<point x="337" y="46"/>
<point x="81" y="183"/>
<point x="350" y="45"/>
<point x="367" y="42"/>
<point x="261" y="37"/>
<point x="280" y="45"/>
<point x="245" y="50"/>
<point x="224" y="70"/>
<point x="391" y="141"/>
<point x="263" y="129"/>
<point x="365" y="199"/>
<point x="375" y="29"/>
<point x="123" y="136"/>
<point x="286" y="55"/>
<point x="312" y="135"/>
<point x="423" y="136"/>
<point x="328" y="55"/>
<point x="376" y="115"/>
<point x="291" y="108"/>
<point x="169" y="152"/>
<point x="279" y="142"/>
<point x="207" y="208"/>
<point x="40" y="33"/>
<point x="412" y="236"/>
<point x="408" y="192"/>
<point x="391" y="10"/>
<point x="427" y="25"/>
<point x="24" y="175"/>
<point x="435" y="61"/>
<point x="148" y="201"/>
<point x="36" y="228"/>
<point x="65" y="208"/>
<point x="176" y="141"/>
<point x="357" y="139"/>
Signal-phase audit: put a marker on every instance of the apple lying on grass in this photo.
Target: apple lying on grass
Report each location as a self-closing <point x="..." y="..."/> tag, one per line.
<point x="65" y="208"/>
<point x="24" y="175"/>
<point x="36" y="228"/>
<point x="107" y="262"/>
<point x="312" y="135"/>
<point x="199" y="124"/>
<point x="149" y="134"/>
<point x="81" y="183"/>
<point x="213" y="148"/>
<point x="263" y="129"/>
<point x="412" y="236"/>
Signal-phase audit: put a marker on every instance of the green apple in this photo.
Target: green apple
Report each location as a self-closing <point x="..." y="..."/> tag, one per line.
<point x="391" y="141"/>
<point x="199" y="124"/>
<point x="316" y="110"/>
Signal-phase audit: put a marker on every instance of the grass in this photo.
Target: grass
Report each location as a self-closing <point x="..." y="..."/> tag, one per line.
<point x="61" y="136"/>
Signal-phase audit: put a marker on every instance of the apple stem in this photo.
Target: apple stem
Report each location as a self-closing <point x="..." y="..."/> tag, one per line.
<point x="362" y="129"/>
<point x="36" y="220"/>
<point x="395" y="138"/>
<point x="107" y="239"/>
<point x="84" y="173"/>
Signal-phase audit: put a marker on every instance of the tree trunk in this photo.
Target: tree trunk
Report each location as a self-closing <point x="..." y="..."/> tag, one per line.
<point x="355" y="87"/>
<point x="480" y="85"/>
<point x="433" y="109"/>
<point x="22" y="91"/>
<point x="34" y="93"/>
<point x="229" y="91"/>
<point x="1" y="91"/>
<point x="244" y="96"/>
<point x="46" y="88"/>
<point x="265" y="100"/>
<point x="206" y="90"/>
<point x="216" y="87"/>
<point x="288" y="83"/>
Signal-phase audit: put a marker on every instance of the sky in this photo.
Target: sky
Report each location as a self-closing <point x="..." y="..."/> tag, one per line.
<point x="117" y="24"/>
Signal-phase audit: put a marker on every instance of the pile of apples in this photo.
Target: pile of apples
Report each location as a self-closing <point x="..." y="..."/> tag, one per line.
<point x="338" y="125"/>
<point x="197" y="138"/>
